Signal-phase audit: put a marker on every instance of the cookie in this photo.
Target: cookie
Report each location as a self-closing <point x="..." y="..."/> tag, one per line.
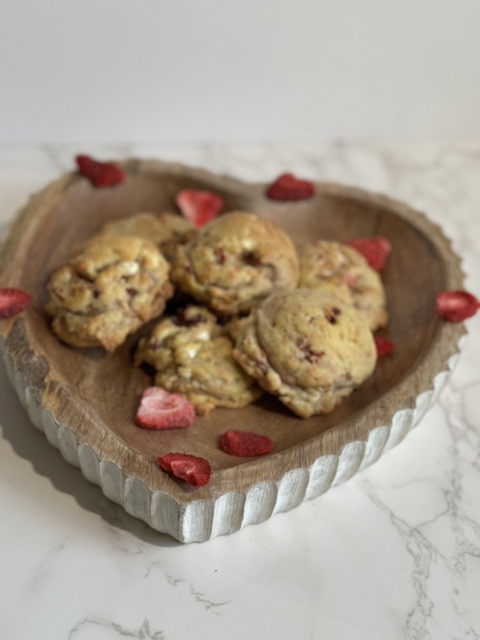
<point x="343" y="271"/>
<point x="308" y="348"/>
<point x="192" y="355"/>
<point x="107" y="289"/>
<point x="236" y="261"/>
<point x="166" y="230"/>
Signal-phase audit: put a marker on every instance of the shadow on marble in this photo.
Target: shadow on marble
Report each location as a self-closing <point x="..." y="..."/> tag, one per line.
<point x="29" y="443"/>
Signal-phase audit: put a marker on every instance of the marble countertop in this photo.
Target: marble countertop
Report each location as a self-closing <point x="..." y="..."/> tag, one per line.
<point x="392" y="553"/>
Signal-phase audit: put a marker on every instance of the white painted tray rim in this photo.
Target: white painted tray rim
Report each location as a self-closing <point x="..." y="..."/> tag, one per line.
<point x="202" y="520"/>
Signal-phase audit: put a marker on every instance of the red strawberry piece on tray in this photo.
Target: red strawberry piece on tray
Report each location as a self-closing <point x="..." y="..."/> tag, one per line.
<point x="384" y="346"/>
<point x="375" y="250"/>
<point x="199" y="207"/>
<point x="456" y="306"/>
<point x="100" y="174"/>
<point x="288" y="188"/>
<point x="13" y="301"/>
<point x="193" y="470"/>
<point x="160" y="409"/>
<point x="245" y="443"/>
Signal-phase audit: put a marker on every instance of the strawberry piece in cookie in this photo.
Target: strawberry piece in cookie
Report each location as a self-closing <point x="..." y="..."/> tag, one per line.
<point x="160" y="409"/>
<point x="100" y="174"/>
<point x="456" y="306"/>
<point x="199" y="207"/>
<point x="375" y="250"/>
<point x="13" y="301"/>
<point x="193" y="470"/>
<point x="289" y="188"/>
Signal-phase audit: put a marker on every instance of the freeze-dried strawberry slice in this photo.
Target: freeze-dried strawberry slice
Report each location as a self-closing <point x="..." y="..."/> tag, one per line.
<point x="199" y="207"/>
<point x="100" y="174"/>
<point x="384" y="346"/>
<point x="289" y="188"/>
<point x="375" y="250"/>
<point x="192" y="469"/>
<point x="13" y="301"/>
<point x="456" y="306"/>
<point x="245" y="443"/>
<point x="160" y="409"/>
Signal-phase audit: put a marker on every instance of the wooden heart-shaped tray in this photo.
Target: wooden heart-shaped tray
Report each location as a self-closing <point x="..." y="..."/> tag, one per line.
<point x="85" y="400"/>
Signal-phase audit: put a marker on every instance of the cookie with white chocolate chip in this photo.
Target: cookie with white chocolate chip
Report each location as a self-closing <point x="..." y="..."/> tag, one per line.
<point x="235" y="261"/>
<point x="166" y="230"/>
<point x="192" y="355"/>
<point x="107" y="289"/>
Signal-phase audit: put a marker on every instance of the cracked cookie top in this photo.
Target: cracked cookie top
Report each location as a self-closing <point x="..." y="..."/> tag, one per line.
<point x="341" y="270"/>
<point x="307" y="347"/>
<point x="236" y="261"/>
<point x="107" y="289"/>
<point x="192" y="355"/>
<point x="166" y="230"/>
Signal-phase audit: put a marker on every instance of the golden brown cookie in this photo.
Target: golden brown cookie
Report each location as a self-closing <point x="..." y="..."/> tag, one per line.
<point x="107" y="289"/>
<point x="166" y="230"/>
<point x="343" y="271"/>
<point x="307" y="347"/>
<point x="192" y="355"/>
<point x="236" y="261"/>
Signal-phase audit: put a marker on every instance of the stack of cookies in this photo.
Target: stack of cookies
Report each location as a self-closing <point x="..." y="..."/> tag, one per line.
<point x="256" y="315"/>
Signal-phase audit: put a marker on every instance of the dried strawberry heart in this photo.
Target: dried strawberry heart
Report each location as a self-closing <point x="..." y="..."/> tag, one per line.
<point x="384" y="346"/>
<point x="200" y="207"/>
<point x="375" y="250"/>
<point x="100" y="174"/>
<point x="289" y="188"/>
<point x="456" y="306"/>
<point x="160" y="409"/>
<point x="192" y="469"/>
<point x="244" y="443"/>
<point x="13" y="301"/>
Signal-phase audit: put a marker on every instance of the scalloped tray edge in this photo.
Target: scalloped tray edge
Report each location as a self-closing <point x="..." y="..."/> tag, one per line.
<point x="202" y="520"/>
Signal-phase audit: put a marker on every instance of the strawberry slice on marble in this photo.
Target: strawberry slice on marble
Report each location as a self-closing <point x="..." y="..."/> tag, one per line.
<point x="100" y="174"/>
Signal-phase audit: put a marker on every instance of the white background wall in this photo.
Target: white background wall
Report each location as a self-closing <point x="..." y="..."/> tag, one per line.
<point x="237" y="70"/>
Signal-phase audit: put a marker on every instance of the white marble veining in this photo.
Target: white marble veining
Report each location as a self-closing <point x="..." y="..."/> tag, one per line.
<point x="393" y="553"/>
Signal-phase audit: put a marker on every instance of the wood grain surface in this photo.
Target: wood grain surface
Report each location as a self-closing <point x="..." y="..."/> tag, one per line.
<point x="96" y="394"/>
